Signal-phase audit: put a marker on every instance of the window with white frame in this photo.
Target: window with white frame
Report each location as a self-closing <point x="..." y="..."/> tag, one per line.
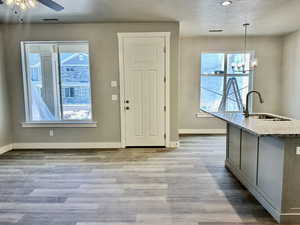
<point x="69" y="92"/>
<point x="224" y="84"/>
<point x="54" y="74"/>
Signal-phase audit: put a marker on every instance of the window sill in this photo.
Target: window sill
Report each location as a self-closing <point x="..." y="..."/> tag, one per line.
<point x="203" y="115"/>
<point x="60" y="124"/>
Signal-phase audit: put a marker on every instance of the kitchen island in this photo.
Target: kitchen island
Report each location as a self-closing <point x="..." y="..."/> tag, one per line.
<point x="263" y="152"/>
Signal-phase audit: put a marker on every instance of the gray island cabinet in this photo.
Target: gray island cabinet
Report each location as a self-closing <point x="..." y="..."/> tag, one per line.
<point x="262" y="153"/>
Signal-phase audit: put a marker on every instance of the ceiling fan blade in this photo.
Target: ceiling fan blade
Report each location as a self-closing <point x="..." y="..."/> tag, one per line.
<point x="51" y="4"/>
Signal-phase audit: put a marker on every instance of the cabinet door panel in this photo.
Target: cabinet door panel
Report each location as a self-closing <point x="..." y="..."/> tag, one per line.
<point x="234" y="146"/>
<point x="249" y="156"/>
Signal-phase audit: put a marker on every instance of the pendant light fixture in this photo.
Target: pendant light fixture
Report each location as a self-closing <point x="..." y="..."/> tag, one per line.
<point x="242" y="67"/>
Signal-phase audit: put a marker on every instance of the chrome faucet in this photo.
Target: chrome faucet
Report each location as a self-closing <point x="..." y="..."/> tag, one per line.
<point x="246" y="110"/>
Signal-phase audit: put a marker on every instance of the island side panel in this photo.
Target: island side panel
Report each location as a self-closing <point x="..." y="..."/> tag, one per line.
<point x="291" y="181"/>
<point x="254" y="167"/>
<point x="234" y="146"/>
<point x="270" y="170"/>
<point x="249" y="156"/>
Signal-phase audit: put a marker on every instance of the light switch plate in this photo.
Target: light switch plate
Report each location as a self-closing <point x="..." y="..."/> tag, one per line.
<point x="298" y="150"/>
<point x="114" y="97"/>
<point x="114" y="83"/>
<point x="51" y="133"/>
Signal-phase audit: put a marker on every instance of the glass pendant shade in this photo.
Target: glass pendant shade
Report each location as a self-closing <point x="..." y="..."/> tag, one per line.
<point x="249" y="64"/>
<point x="22" y="4"/>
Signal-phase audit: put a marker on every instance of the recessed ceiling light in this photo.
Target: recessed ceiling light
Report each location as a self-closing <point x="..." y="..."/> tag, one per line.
<point x="226" y="3"/>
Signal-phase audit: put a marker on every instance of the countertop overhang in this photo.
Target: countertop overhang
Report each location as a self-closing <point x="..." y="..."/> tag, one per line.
<point x="260" y="127"/>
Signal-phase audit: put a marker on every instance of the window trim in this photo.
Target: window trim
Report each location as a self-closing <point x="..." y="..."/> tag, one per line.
<point x="58" y="123"/>
<point x="251" y="74"/>
<point x="61" y="124"/>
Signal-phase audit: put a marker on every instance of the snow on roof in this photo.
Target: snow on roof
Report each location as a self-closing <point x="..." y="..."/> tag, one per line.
<point x="70" y="60"/>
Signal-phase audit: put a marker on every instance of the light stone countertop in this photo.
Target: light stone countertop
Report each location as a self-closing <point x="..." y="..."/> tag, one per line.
<point x="261" y="127"/>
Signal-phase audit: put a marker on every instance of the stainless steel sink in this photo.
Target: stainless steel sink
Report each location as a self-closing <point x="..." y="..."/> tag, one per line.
<point x="268" y="117"/>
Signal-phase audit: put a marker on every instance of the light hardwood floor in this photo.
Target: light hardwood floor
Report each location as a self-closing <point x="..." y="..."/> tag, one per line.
<point x="186" y="186"/>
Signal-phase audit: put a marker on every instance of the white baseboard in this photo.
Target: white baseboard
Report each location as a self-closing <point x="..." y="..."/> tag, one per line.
<point x="74" y="145"/>
<point x="202" y="131"/>
<point x="79" y="145"/>
<point x="6" y="148"/>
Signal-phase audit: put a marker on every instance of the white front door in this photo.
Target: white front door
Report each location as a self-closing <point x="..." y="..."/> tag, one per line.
<point x="144" y="90"/>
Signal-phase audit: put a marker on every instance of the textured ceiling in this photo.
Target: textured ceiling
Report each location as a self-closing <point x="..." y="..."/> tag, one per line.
<point x="196" y="17"/>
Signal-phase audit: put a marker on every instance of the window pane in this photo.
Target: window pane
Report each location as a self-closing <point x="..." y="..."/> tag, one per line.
<point x="41" y="83"/>
<point x="235" y="62"/>
<point x="242" y="87"/>
<point x="212" y="81"/>
<point x="212" y="63"/>
<point x="75" y="81"/>
<point x="211" y="92"/>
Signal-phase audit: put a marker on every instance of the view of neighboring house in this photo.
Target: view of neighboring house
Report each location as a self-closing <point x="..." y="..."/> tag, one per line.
<point x="75" y="86"/>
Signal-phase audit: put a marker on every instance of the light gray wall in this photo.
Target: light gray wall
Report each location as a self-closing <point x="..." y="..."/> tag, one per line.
<point x="104" y="68"/>
<point x="5" y="120"/>
<point x="291" y="76"/>
<point x="266" y="79"/>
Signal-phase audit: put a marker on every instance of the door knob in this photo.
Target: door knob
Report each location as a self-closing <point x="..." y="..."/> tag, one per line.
<point x="127" y="108"/>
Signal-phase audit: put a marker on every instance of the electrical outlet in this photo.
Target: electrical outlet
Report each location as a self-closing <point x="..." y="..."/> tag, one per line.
<point x="51" y="133"/>
<point x="298" y="151"/>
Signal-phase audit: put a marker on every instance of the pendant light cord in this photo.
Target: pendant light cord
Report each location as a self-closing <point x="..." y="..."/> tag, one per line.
<point x="245" y="44"/>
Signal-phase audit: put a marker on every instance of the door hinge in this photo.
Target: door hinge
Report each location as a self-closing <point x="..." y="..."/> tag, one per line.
<point x="165" y="79"/>
<point x="165" y="108"/>
<point x="165" y="136"/>
<point x="165" y="50"/>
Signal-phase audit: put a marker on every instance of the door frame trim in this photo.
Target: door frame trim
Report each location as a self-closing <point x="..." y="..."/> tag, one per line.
<point x="166" y="36"/>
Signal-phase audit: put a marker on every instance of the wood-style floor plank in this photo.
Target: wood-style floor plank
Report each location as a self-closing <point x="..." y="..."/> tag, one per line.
<point x="140" y="186"/>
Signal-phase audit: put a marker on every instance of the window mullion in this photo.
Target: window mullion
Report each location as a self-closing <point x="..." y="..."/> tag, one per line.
<point x="27" y="83"/>
<point x="225" y="80"/>
<point x="57" y="88"/>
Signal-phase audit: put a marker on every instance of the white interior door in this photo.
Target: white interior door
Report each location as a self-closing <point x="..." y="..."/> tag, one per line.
<point x="144" y="91"/>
